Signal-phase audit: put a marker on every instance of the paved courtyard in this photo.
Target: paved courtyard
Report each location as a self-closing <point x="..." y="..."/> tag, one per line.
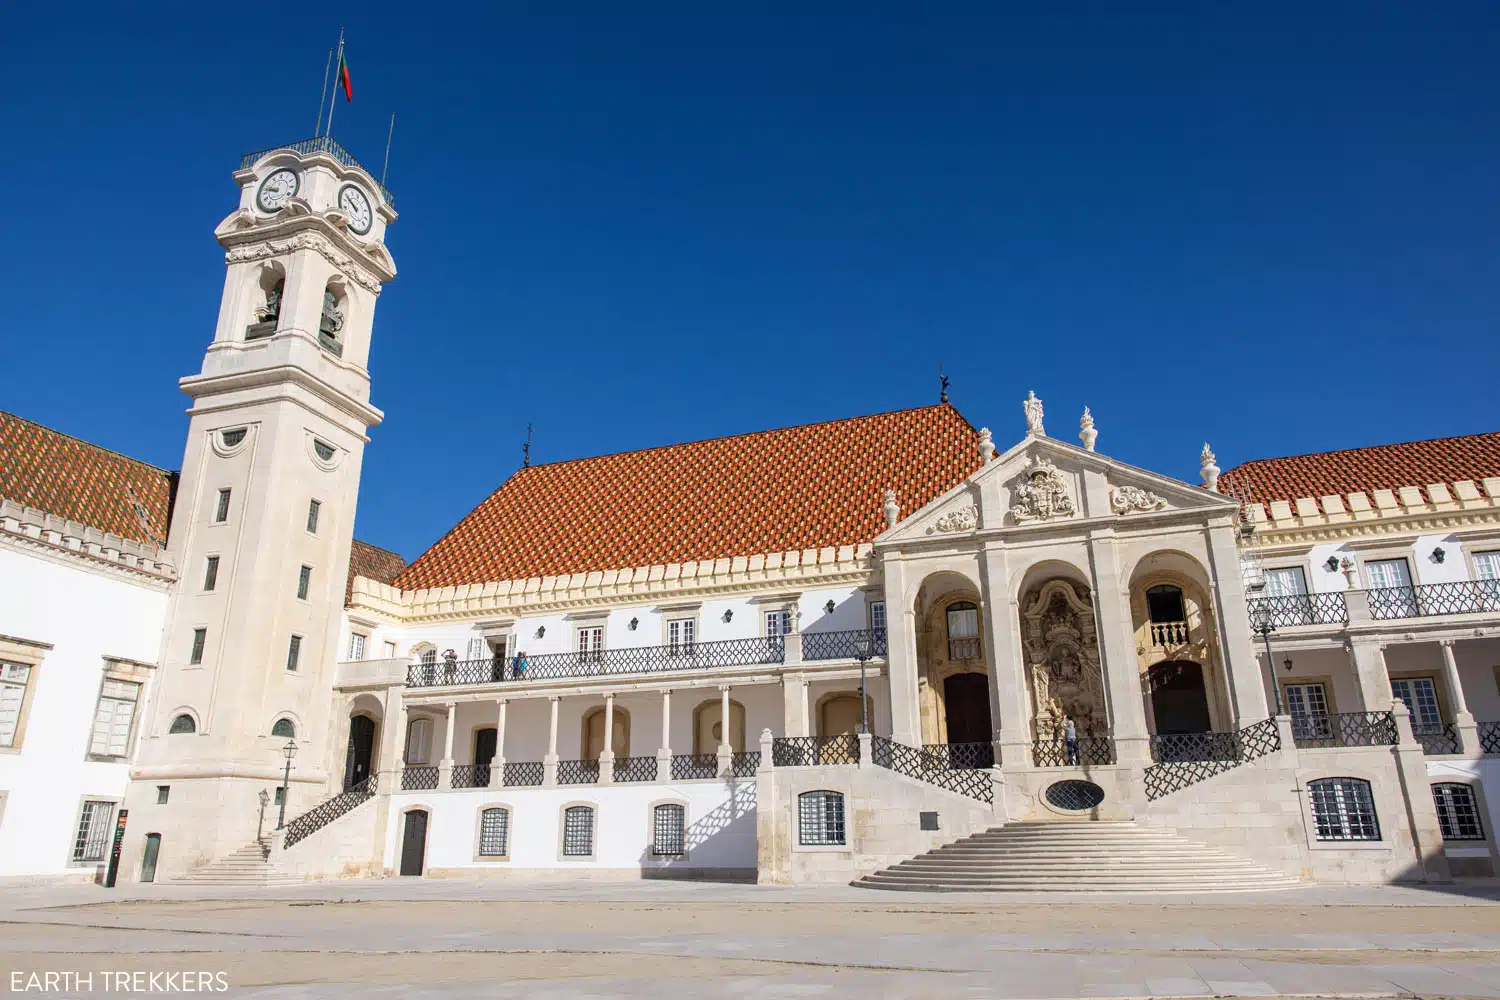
<point x="448" y="938"/>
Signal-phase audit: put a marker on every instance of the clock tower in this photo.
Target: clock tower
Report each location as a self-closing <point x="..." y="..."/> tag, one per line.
<point x="264" y="513"/>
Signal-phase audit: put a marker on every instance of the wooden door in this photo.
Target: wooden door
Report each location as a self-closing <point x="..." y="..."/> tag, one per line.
<point x="414" y="843"/>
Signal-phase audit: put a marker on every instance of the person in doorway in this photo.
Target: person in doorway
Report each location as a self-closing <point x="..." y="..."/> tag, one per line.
<point x="1070" y="739"/>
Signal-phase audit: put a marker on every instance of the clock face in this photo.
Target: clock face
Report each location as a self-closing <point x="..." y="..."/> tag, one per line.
<point x="354" y="204"/>
<point x="277" y="190"/>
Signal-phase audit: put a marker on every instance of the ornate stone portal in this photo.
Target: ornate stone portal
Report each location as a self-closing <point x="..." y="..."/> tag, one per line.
<point x="1062" y="661"/>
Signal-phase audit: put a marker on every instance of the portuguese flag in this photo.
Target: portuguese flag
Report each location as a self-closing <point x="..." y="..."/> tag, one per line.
<point x="343" y="80"/>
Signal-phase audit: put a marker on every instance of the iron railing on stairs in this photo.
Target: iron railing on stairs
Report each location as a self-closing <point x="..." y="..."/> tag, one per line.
<point x="1186" y="759"/>
<point x="929" y="764"/>
<point x="329" y="810"/>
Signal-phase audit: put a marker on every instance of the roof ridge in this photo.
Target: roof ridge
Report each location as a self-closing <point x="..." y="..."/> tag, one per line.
<point x="1365" y="447"/>
<point x="91" y="444"/>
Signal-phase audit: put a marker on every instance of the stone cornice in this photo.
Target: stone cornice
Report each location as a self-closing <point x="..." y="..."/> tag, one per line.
<point x="1408" y="510"/>
<point x="58" y="539"/>
<point x="198" y="386"/>
<point x="246" y="239"/>
<point x="776" y="571"/>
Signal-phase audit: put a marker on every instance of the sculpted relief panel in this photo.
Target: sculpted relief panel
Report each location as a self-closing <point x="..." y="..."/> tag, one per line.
<point x="1062" y="660"/>
<point x="1041" y="494"/>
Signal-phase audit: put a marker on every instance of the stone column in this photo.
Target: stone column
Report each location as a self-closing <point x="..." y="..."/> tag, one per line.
<point x="1236" y="642"/>
<point x="607" y="757"/>
<point x="1416" y="789"/>
<point x="497" y="763"/>
<point x="1005" y="661"/>
<point x="1368" y="658"/>
<point x="549" y="762"/>
<point x="901" y="655"/>
<point x="445" y="766"/>
<point x="664" y="750"/>
<point x="726" y="749"/>
<point x="1463" y="721"/>
<point x="794" y="705"/>
<point x="1122" y="669"/>
<point x="392" y="742"/>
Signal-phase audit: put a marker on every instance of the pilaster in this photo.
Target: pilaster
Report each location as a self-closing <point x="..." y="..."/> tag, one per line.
<point x="1005" y="661"/>
<point x="1416" y="789"/>
<point x="1122" y="671"/>
<point x="1236" y="643"/>
<point x="794" y="705"/>
<point x="901" y="653"/>
<point x="1370" y="675"/>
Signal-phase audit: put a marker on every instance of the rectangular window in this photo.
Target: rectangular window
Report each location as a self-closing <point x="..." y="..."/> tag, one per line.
<point x="280" y="793"/>
<point x="1343" y="809"/>
<point x="494" y="828"/>
<point x="1385" y="574"/>
<point x="820" y="818"/>
<point x="293" y="652"/>
<point x="778" y="622"/>
<point x="591" y="643"/>
<point x="200" y="639"/>
<point x="1458" y="812"/>
<point x="578" y="832"/>
<point x="113" y="719"/>
<point x="357" y="645"/>
<point x="680" y="635"/>
<point x="390" y="650"/>
<point x="94" y="828"/>
<point x="1420" y="696"/>
<point x="1286" y="582"/>
<point x="418" y="741"/>
<point x="877" y="616"/>
<point x="221" y="513"/>
<point x="13" y="679"/>
<point x="668" y="828"/>
<point x="211" y="573"/>
<point x="162" y="794"/>
<point x="1307" y="704"/>
<point x="313" y="507"/>
<point x="304" y="580"/>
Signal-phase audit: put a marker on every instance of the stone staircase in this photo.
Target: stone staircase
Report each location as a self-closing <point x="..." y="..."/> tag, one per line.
<point x="248" y="866"/>
<point x="1076" y="857"/>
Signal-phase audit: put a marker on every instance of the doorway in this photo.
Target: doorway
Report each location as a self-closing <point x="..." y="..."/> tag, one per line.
<point x="361" y="755"/>
<point x="1179" y="698"/>
<point x="414" y="843"/>
<point x="148" y="857"/>
<point x="966" y="708"/>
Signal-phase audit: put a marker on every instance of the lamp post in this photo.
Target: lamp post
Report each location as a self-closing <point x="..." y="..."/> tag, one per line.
<point x="863" y="644"/>
<point x="1260" y="624"/>
<point x="289" y="751"/>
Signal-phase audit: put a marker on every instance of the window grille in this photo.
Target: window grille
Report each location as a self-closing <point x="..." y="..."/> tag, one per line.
<point x="1458" y="813"/>
<point x="670" y="830"/>
<point x="113" y="719"/>
<point x="234" y="437"/>
<point x="304" y="581"/>
<point x="820" y="818"/>
<point x="578" y="832"/>
<point x="13" y="678"/>
<point x="183" y="724"/>
<point x="284" y="727"/>
<point x="200" y="639"/>
<point x="313" y="506"/>
<point x="211" y="573"/>
<point x="221" y="512"/>
<point x="1343" y="809"/>
<point x="93" y="831"/>
<point x="293" y="652"/>
<point x="323" y="450"/>
<point x="494" y="833"/>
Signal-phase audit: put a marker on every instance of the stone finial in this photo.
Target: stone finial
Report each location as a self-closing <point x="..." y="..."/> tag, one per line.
<point x="1033" y="408"/>
<point x="1209" y="469"/>
<point x="986" y="446"/>
<point x="892" y="509"/>
<point x="1086" y="432"/>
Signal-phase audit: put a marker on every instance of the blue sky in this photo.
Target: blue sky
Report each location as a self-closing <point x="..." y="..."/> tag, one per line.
<point x="1270" y="226"/>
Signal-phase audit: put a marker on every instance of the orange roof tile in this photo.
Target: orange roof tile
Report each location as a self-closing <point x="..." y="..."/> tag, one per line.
<point x="62" y="475"/>
<point x="373" y="563"/>
<point x="1381" y="467"/>
<point x="772" y="491"/>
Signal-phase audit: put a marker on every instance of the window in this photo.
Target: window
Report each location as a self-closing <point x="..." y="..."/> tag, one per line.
<point x="1289" y="581"/>
<point x="163" y="792"/>
<point x="390" y="649"/>
<point x="1388" y="573"/>
<point x="323" y="450"/>
<point x="1487" y="572"/>
<point x="591" y="643"/>
<point x="1343" y="809"/>
<point x="304" y="580"/>
<point x="778" y="622"/>
<point x="232" y="438"/>
<point x="963" y="631"/>
<point x="113" y="719"/>
<point x="183" y="724"/>
<point x="280" y="794"/>
<point x="820" y="818"/>
<point x="418" y="741"/>
<point x="211" y="573"/>
<point x="680" y="635"/>
<point x="284" y="727"/>
<point x="13" y="679"/>
<point x="494" y="833"/>
<point x="1164" y="604"/>
<point x="313" y="507"/>
<point x="200" y="638"/>
<point x="1420" y="696"/>
<point x="357" y="645"/>
<point x="1307" y="704"/>
<point x="1458" y="814"/>
<point x="293" y="652"/>
<point x="578" y="832"/>
<point x="93" y="831"/>
<point x="877" y="616"/>
<point x="221" y="513"/>
<point x="669" y="829"/>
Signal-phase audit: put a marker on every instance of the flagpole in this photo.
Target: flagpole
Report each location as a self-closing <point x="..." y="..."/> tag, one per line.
<point x="334" y="97"/>
<point x="326" y="66"/>
<point x="388" y="136"/>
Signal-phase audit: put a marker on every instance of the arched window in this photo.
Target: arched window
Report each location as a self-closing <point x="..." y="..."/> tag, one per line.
<point x="963" y="630"/>
<point x="820" y="818"/>
<point x="284" y="727"/>
<point x="331" y="322"/>
<point x="1164" y="603"/>
<point x="1458" y="813"/>
<point x="418" y="740"/>
<point x="669" y="830"/>
<point x="267" y="312"/>
<point x="494" y="832"/>
<point x="1343" y="809"/>
<point x="578" y="832"/>
<point x="183" y="724"/>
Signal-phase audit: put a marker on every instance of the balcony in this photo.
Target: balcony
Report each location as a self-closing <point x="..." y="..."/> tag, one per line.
<point x="1317" y="730"/>
<point x="1463" y="597"/>
<point x="1169" y="635"/>
<point x="843" y="645"/>
<point x="321" y="144"/>
<point x="599" y="663"/>
<point x="1299" y="609"/>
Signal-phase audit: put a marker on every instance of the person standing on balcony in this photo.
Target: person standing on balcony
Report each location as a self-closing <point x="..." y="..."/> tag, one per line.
<point x="518" y="665"/>
<point x="1070" y="738"/>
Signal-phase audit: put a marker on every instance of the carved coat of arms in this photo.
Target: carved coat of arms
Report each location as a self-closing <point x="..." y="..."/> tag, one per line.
<point x="1041" y="494"/>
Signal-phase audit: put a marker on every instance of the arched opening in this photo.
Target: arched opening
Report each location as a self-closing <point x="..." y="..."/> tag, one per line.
<point x="708" y="727"/>
<point x="183" y="723"/>
<point x="414" y="843"/>
<point x="331" y="321"/>
<point x="360" y="757"/>
<point x="266" y="314"/>
<point x="593" y="734"/>
<point x="284" y="729"/>
<point x="1179" y="698"/>
<point x="839" y="715"/>
<point x="966" y="708"/>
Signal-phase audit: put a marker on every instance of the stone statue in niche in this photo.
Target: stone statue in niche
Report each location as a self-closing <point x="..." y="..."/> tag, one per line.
<point x="1041" y="494"/>
<point x="1062" y="661"/>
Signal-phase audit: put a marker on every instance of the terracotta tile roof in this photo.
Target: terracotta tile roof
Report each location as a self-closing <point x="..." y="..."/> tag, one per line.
<point x="1382" y="467"/>
<point x="62" y="475"/>
<point x="771" y="491"/>
<point x="373" y="563"/>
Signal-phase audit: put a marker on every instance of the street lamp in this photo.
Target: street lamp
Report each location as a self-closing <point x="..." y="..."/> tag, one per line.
<point x="289" y="751"/>
<point x="1260" y="624"/>
<point x="863" y="648"/>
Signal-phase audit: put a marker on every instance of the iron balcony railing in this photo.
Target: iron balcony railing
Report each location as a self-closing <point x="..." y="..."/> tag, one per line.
<point x="524" y="774"/>
<point x="929" y="764"/>
<point x="843" y="645"/>
<point x="1489" y="737"/>
<point x="958" y="756"/>
<point x="1437" y="738"/>
<point x="687" y="766"/>
<point x="320" y="144"/>
<point x="599" y="662"/>
<point x="1298" y="609"/>
<point x="1461" y="597"/>
<point x="470" y="776"/>
<point x="635" y="769"/>
<point x="744" y="763"/>
<point x="814" y="751"/>
<point x="419" y="779"/>
<point x="1183" y="760"/>
<point x="329" y="810"/>
<point x="1088" y="750"/>
<point x="577" y="772"/>
<point x="1344" y="729"/>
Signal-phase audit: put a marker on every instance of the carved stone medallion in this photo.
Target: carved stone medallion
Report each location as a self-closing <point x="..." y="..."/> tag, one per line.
<point x="1127" y="499"/>
<point x="1041" y="494"/>
<point x="958" y="519"/>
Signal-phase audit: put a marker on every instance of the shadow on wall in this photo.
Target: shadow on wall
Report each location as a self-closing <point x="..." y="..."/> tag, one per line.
<point x="722" y="826"/>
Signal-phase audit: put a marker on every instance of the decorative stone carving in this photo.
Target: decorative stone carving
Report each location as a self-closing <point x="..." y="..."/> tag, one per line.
<point x="1086" y="432"/>
<point x="306" y="241"/>
<point x="1128" y="499"/>
<point x="986" y="446"/>
<point x="1209" y="469"/>
<point x="958" y="519"/>
<point x="1062" y="661"/>
<point x="1041" y="494"/>
<point x="1033" y="408"/>
<point x="892" y="509"/>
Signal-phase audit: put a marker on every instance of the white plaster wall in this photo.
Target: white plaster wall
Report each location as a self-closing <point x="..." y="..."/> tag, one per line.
<point x="1477" y="662"/>
<point x="85" y="616"/>
<point x="1454" y="566"/>
<point x="720" y="828"/>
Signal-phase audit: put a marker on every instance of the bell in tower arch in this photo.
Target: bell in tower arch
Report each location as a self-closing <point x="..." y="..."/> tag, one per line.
<point x="331" y="322"/>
